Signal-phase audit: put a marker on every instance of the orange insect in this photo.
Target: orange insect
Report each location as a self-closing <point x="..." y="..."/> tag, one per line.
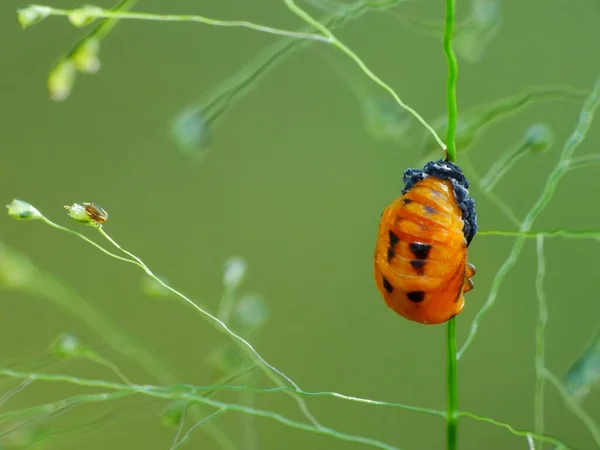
<point x="421" y="266"/>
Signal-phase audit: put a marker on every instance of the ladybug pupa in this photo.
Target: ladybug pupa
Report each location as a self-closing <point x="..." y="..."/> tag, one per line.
<point x="420" y="263"/>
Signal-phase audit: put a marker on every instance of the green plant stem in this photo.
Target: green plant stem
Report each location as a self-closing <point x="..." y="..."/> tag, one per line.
<point x="451" y="84"/>
<point x="451" y="372"/>
<point x="451" y="415"/>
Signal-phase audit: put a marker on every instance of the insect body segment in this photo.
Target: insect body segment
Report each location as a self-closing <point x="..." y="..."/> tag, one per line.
<point x="421" y="266"/>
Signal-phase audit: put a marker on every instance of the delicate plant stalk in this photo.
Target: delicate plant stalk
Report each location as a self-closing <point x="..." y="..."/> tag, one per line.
<point x="452" y="415"/>
<point x="451" y="360"/>
<point x="539" y="338"/>
<point x="451" y="84"/>
<point x="562" y="167"/>
<point x="333" y="40"/>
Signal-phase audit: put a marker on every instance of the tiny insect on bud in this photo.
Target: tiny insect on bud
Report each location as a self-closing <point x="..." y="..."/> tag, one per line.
<point x="538" y="138"/>
<point x="67" y="346"/>
<point x="32" y="14"/>
<point x="87" y="213"/>
<point x="21" y="210"/>
<point x="235" y="269"/>
<point x="61" y="80"/>
<point x="85" y="57"/>
<point x="82" y="17"/>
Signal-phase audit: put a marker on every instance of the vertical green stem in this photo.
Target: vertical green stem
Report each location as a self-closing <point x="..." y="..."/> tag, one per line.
<point x="451" y="84"/>
<point x="452" y="416"/>
<point x="452" y="379"/>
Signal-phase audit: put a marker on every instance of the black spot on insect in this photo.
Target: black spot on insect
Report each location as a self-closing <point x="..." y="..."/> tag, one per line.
<point x="393" y="241"/>
<point x="386" y="284"/>
<point x="391" y="253"/>
<point x="406" y="201"/>
<point x="420" y="250"/>
<point x="416" y="296"/>
<point x="418" y="265"/>
<point x="430" y="210"/>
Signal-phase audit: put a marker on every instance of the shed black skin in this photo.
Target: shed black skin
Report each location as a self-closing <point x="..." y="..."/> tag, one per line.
<point x="446" y="170"/>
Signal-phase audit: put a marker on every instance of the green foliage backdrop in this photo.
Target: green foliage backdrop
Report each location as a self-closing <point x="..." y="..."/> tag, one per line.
<point x="290" y="172"/>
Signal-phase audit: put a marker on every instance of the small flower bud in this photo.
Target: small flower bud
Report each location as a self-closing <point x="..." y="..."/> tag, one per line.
<point x="21" y="210"/>
<point x="67" y="346"/>
<point x="191" y="133"/>
<point x="32" y="14"/>
<point x="539" y="138"/>
<point x="61" y="80"/>
<point x="225" y="360"/>
<point x="235" y="270"/>
<point x="386" y="119"/>
<point x="82" y="17"/>
<point x="85" y="57"/>
<point x="174" y="413"/>
<point x="87" y="213"/>
<point x="153" y="288"/>
<point x="16" y="270"/>
<point x="250" y="313"/>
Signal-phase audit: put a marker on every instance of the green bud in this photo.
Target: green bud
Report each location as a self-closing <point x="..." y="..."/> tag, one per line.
<point x="225" y="360"/>
<point x="31" y="15"/>
<point x="386" y="119"/>
<point x="85" y="57"/>
<point x="235" y="270"/>
<point x="61" y="80"/>
<point x="82" y="17"/>
<point x="538" y="138"/>
<point x="16" y="270"/>
<point x="67" y="346"/>
<point x="153" y="288"/>
<point x="190" y="132"/>
<point x="174" y="413"/>
<point x="486" y="14"/>
<point x="21" y="210"/>
<point x="251" y="312"/>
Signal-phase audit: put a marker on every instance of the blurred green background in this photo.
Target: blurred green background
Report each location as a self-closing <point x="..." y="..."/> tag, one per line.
<point x="295" y="185"/>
